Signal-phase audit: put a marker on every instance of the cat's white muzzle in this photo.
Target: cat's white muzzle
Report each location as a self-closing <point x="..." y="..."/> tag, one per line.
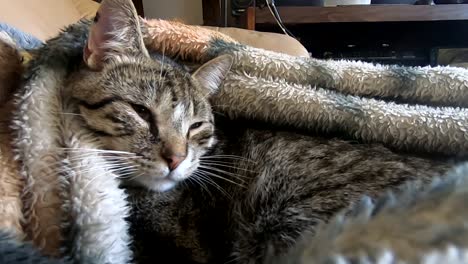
<point x="165" y="179"/>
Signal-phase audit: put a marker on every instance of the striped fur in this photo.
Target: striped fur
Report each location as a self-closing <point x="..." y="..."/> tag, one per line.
<point x="80" y="126"/>
<point x="140" y="106"/>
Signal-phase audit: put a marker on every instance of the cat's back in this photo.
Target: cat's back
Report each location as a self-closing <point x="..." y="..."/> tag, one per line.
<point x="417" y="224"/>
<point x="300" y="156"/>
<point x="295" y="181"/>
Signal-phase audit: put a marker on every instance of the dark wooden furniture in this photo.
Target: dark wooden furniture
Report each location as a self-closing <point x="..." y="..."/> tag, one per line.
<point x="214" y="15"/>
<point x="403" y="34"/>
<point x="366" y="13"/>
<point x="139" y="7"/>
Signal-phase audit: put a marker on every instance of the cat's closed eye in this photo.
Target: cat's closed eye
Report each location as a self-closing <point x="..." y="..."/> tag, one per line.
<point x="196" y="125"/>
<point x="143" y="112"/>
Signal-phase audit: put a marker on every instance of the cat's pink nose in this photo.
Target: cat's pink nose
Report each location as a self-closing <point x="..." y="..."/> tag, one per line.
<point x="174" y="154"/>
<point x="173" y="161"/>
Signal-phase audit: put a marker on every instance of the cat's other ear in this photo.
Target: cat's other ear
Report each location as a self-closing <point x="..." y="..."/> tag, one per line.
<point x="211" y="74"/>
<point x="116" y="30"/>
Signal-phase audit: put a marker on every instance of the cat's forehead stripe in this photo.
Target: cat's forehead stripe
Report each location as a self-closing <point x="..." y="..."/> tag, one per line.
<point x="179" y="111"/>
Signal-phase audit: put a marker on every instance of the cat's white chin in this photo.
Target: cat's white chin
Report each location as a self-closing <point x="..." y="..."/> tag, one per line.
<point x="162" y="179"/>
<point x="163" y="186"/>
<point x="158" y="185"/>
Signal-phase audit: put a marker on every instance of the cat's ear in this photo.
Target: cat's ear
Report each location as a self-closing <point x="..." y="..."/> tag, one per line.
<point x="116" y="30"/>
<point x="211" y="74"/>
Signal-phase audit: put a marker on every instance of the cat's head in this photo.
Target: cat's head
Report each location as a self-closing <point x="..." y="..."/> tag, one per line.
<point x="150" y="108"/>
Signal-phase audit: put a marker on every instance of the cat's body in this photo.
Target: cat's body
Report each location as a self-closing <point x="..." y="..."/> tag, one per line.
<point x="230" y="191"/>
<point x="292" y="183"/>
<point x="419" y="223"/>
<point x="153" y="125"/>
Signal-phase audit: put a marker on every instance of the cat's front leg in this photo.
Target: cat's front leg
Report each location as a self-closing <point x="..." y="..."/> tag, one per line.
<point x="177" y="40"/>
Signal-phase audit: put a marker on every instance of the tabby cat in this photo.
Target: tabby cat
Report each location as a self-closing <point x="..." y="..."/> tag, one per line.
<point x="221" y="190"/>
<point x="205" y="188"/>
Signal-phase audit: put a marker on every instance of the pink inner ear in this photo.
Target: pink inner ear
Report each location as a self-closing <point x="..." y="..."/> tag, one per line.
<point x="86" y="53"/>
<point x="94" y="50"/>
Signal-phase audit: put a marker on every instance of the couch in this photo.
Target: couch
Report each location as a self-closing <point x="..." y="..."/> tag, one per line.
<point x="44" y="19"/>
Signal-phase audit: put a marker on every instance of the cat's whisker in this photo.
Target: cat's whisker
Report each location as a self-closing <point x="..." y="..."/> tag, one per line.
<point x="115" y="162"/>
<point x="65" y="173"/>
<point x="234" y="259"/>
<point x="104" y="160"/>
<point x="133" y="177"/>
<point x="124" y="169"/>
<point x="98" y="150"/>
<point x="224" y="165"/>
<point x="103" y="164"/>
<point x="221" y="164"/>
<point x="227" y="156"/>
<point x="121" y="171"/>
<point x="61" y="163"/>
<point x="129" y="177"/>
<point x="221" y="177"/>
<point x="124" y="166"/>
<point x="219" y="113"/>
<point x="84" y="160"/>
<point x="202" y="182"/>
<point x="73" y="114"/>
<point x="236" y="176"/>
<point x="81" y="171"/>
<point x="72" y="162"/>
<point x="101" y="154"/>
<point x="110" y="154"/>
<point x="217" y="161"/>
<point x="210" y="181"/>
<point x="185" y="184"/>
<point x="93" y="179"/>
<point x="108" y="168"/>
<point x="199" y="182"/>
<point x="218" y="187"/>
<point x="74" y="168"/>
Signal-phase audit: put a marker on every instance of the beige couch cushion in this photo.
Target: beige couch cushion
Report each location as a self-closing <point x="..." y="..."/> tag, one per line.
<point x="40" y="18"/>
<point x="86" y="8"/>
<point x="265" y="40"/>
<point x="44" y="19"/>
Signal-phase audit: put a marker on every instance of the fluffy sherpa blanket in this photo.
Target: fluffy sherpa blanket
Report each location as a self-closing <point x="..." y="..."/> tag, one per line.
<point x="71" y="203"/>
<point x="417" y="108"/>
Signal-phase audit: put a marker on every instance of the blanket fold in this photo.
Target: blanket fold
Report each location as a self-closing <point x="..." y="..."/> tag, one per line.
<point x="327" y="96"/>
<point x="72" y="202"/>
